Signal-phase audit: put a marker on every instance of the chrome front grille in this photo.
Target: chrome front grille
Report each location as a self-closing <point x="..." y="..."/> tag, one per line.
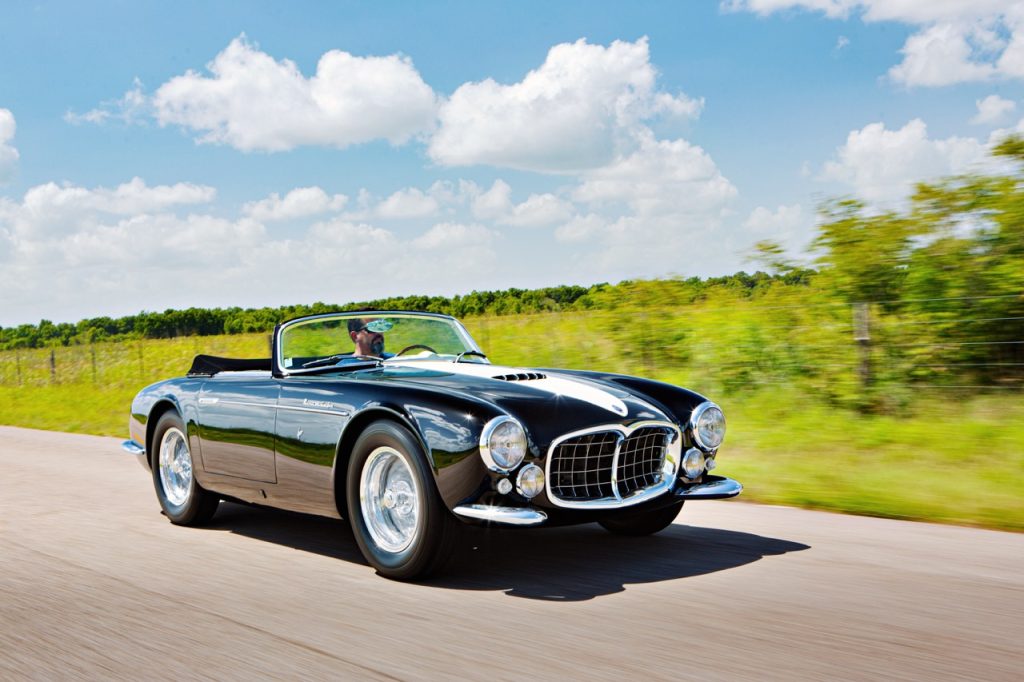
<point x="613" y="466"/>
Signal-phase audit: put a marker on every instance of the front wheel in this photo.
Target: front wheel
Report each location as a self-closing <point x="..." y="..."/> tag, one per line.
<point x="643" y="523"/>
<point x="183" y="500"/>
<point x="399" y="521"/>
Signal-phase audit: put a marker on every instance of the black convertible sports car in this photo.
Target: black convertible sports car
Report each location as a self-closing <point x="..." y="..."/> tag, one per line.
<point x="408" y="445"/>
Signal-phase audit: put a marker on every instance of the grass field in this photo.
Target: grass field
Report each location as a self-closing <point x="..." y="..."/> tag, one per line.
<point x="939" y="457"/>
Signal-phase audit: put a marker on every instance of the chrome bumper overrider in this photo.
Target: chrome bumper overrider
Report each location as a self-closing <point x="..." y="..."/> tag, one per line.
<point x="134" y="448"/>
<point x="713" y="488"/>
<point x="509" y="516"/>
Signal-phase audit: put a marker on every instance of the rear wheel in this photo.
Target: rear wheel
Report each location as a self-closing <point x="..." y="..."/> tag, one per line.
<point x="183" y="500"/>
<point x="643" y="523"/>
<point x="399" y="521"/>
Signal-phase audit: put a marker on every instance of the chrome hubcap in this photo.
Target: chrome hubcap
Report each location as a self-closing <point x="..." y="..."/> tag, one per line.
<point x="389" y="500"/>
<point x="175" y="467"/>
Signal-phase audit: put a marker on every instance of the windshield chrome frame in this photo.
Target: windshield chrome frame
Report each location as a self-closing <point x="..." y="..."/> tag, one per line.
<point x="281" y="370"/>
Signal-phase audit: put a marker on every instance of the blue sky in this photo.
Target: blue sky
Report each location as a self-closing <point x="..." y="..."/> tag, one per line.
<point x="157" y="155"/>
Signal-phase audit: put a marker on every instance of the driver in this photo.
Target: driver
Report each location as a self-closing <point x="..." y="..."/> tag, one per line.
<point x="367" y="334"/>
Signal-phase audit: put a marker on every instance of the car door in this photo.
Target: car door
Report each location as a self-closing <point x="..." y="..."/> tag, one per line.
<point x="237" y="417"/>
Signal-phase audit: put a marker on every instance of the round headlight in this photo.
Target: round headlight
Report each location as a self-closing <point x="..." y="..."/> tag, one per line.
<point x="708" y="425"/>
<point x="693" y="463"/>
<point x="503" y="444"/>
<point x="530" y="481"/>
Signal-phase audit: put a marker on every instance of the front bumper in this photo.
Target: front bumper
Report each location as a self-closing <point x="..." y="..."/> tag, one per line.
<point x="710" y="488"/>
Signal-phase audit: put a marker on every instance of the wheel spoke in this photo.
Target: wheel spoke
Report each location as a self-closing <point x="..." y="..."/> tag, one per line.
<point x="175" y="467"/>
<point x="389" y="500"/>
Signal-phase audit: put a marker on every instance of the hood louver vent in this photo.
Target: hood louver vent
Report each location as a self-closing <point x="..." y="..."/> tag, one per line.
<point x="521" y="376"/>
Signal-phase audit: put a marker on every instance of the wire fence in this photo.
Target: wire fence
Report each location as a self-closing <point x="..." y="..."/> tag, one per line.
<point x="843" y="351"/>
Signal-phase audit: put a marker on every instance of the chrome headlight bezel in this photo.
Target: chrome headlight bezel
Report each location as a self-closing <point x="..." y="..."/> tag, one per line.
<point x="487" y="451"/>
<point x="695" y="419"/>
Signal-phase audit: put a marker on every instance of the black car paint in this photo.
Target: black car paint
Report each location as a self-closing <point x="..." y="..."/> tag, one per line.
<point x="299" y="449"/>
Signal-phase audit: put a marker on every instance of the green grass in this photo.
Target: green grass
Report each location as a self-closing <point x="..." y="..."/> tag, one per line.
<point x="942" y="458"/>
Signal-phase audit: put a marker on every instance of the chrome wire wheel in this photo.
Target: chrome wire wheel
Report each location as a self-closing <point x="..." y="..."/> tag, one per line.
<point x="389" y="500"/>
<point x="175" y="467"/>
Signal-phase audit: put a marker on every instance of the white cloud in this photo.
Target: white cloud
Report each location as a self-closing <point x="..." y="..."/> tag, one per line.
<point x="408" y="203"/>
<point x="569" y="114"/>
<point x="298" y="203"/>
<point x="790" y="226"/>
<point x="842" y="42"/>
<point x="538" y="210"/>
<point x="940" y="55"/>
<point x="8" y="154"/>
<point x="253" y="102"/>
<point x="131" y="108"/>
<point x="992" y="109"/>
<point x="956" y="42"/>
<point x="660" y="177"/>
<point x="882" y="165"/>
<point x="55" y="209"/>
<point x="581" y="228"/>
<point x="783" y="219"/>
<point x="69" y="252"/>
<point x="448" y="235"/>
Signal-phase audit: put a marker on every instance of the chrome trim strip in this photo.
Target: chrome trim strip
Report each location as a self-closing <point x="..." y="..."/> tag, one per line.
<point x="208" y="401"/>
<point x="295" y="408"/>
<point x="672" y="457"/>
<point x="712" y="490"/>
<point x="338" y="413"/>
<point x="509" y="516"/>
<point x="133" y="448"/>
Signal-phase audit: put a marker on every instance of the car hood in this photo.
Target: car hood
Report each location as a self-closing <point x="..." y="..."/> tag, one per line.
<point x="547" y="396"/>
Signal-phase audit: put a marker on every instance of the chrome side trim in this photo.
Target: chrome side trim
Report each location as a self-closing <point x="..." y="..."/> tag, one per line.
<point x="336" y="413"/>
<point x="509" y="516"/>
<point x="294" y="408"/>
<point x="672" y="459"/>
<point x="133" y="448"/>
<point x="718" y="489"/>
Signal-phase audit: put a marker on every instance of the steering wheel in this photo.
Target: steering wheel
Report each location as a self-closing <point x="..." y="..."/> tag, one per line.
<point x="414" y="347"/>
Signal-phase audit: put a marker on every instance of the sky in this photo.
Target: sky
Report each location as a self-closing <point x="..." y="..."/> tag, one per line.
<point x="169" y="155"/>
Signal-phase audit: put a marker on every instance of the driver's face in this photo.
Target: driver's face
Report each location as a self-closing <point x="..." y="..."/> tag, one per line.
<point x="369" y="342"/>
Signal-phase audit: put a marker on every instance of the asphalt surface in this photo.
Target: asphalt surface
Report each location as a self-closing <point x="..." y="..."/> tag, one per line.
<point x="96" y="584"/>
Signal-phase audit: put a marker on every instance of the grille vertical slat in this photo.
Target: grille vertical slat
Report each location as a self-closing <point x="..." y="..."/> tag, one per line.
<point x="582" y="467"/>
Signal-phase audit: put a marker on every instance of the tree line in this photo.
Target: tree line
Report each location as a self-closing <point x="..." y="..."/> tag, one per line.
<point x="216" y="321"/>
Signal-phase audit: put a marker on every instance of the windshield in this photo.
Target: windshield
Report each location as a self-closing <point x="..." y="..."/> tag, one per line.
<point x="346" y="338"/>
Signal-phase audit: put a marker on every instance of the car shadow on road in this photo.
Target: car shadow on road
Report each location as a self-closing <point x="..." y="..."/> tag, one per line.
<point x="578" y="563"/>
<point x="573" y="563"/>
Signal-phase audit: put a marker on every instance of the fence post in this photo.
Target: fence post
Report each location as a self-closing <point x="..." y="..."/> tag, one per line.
<point x="862" y="335"/>
<point x="53" y="367"/>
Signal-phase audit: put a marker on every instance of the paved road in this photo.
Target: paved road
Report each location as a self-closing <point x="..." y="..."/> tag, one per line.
<point x="95" y="583"/>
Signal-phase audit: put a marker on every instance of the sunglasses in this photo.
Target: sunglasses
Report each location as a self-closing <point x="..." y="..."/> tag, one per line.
<point x="377" y="326"/>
